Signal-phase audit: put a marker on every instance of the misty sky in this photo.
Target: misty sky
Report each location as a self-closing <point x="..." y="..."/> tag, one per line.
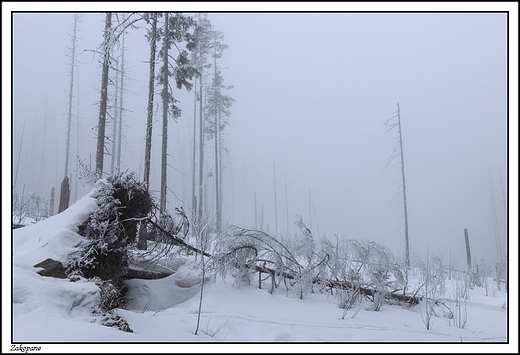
<point x="312" y="92"/>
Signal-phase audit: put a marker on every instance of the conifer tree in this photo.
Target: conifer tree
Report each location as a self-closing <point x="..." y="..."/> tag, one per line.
<point x="177" y="29"/>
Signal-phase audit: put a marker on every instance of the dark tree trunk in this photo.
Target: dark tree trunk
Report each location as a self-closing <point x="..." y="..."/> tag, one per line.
<point x="149" y="116"/>
<point x="100" y="151"/>
<point x="164" y="154"/>
<point x="64" y="195"/>
<point x="468" y="251"/>
<point x="51" y="203"/>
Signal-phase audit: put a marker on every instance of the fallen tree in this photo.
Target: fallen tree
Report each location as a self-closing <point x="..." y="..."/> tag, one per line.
<point x="253" y="250"/>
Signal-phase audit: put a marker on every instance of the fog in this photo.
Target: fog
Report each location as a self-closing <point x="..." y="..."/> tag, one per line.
<point x="312" y="93"/>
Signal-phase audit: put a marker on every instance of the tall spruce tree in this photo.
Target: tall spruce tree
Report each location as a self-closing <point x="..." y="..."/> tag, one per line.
<point x="151" y="35"/>
<point x="218" y="108"/>
<point x="177" y="30"/>
<point x="199" y="59"/>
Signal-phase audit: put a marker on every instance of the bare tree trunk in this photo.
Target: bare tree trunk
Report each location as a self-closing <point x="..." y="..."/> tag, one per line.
<point x="51" y="203"/>
<point x="310" y="210"/>
<point x="220" y="169"/>
<point x="19" y="155"/>
<point x="275" y="205"/>
<point x="256" y="219"/>
<point x="142" y="243"/>
<point x="77" y="144"/>
<point x="43" y="161"/>
<point x="262" y="218"/>
<point x="468" y="251"/>
<point x="114" y="126"/>
<point x="164" y="154"/>
<point x="407" y="244"/>
<point x="71" y="87"/>
<point x="149" y="118"/>
<point x="286" y="205"/>
<point x="201" y="158"/>
<point x="217" y="188"/>
<point x="121" y="90"/>
<point x="202" y="282"/>
<point x="100" y="151"/>
<point x="193" y="192"/>
<point x="495" y="218"/>
<point x="64" y="195"/>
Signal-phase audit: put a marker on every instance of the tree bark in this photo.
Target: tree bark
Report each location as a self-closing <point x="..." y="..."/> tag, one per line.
<point x="164" y="154"/>
<point x="64" y="194"/>
<point x="193" y="178"/>
<point x="114" y="127"/>
<point x="121" y="91"/>
<point x="149" y="117"/>
<point x="217" y="186"/>
<point x="407" y="243"/>
<point x="468" y="251"/>
<point x="100" y="151"/>
<point x="51" y="203"/>
<point x="201" y="158"/>
<point x="71" y="87"/>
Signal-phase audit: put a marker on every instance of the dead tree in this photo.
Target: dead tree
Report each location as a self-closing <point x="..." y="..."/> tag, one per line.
<point x="398" y="151"/>
<point x="65" y="185"/>
<point x="468" y="251"/>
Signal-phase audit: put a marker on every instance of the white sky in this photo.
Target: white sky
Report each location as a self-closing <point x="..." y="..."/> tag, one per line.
<point x="312" y="93"/>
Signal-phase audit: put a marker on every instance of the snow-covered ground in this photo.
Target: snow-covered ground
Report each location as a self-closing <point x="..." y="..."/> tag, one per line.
<point x="163" y="313"/>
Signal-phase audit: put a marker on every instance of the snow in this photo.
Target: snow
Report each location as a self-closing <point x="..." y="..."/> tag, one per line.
<point x="57" y="313"/>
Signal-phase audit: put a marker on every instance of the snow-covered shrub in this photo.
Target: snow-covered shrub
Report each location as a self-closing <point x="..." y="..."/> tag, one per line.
<point x="110" y="296"/>
<point x="334" y="269"/>
<point x="373" y="267"/>
<point x="302" y="283"/>
<point x="401" y="275"/>
<point x="305" y="247"/>
<point x="457" y="307"/>
<point x="347" y="297"/>
<point x="29" y="207"/>
<point x="243" y="274"/>
<point x="306" y="263"/>
<point x="501" y="274"/>
<point x="380" y="279"/>
<point x="433" y="285"/>
<point x="237" y="252"/>
<point x="237" y="261"/>
<point x="433" y="277"/>
<point x="114" y="320"/>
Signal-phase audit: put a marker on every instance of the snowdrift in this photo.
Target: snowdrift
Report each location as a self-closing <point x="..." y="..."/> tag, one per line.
<point x="47" y="309"/>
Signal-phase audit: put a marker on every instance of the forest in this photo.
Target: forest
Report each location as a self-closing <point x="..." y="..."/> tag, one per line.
<point x="160" y="145"/>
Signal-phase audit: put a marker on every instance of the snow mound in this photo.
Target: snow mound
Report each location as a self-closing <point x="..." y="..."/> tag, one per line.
<point x="160" y="294"/>
<point x="54" y="237"/>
